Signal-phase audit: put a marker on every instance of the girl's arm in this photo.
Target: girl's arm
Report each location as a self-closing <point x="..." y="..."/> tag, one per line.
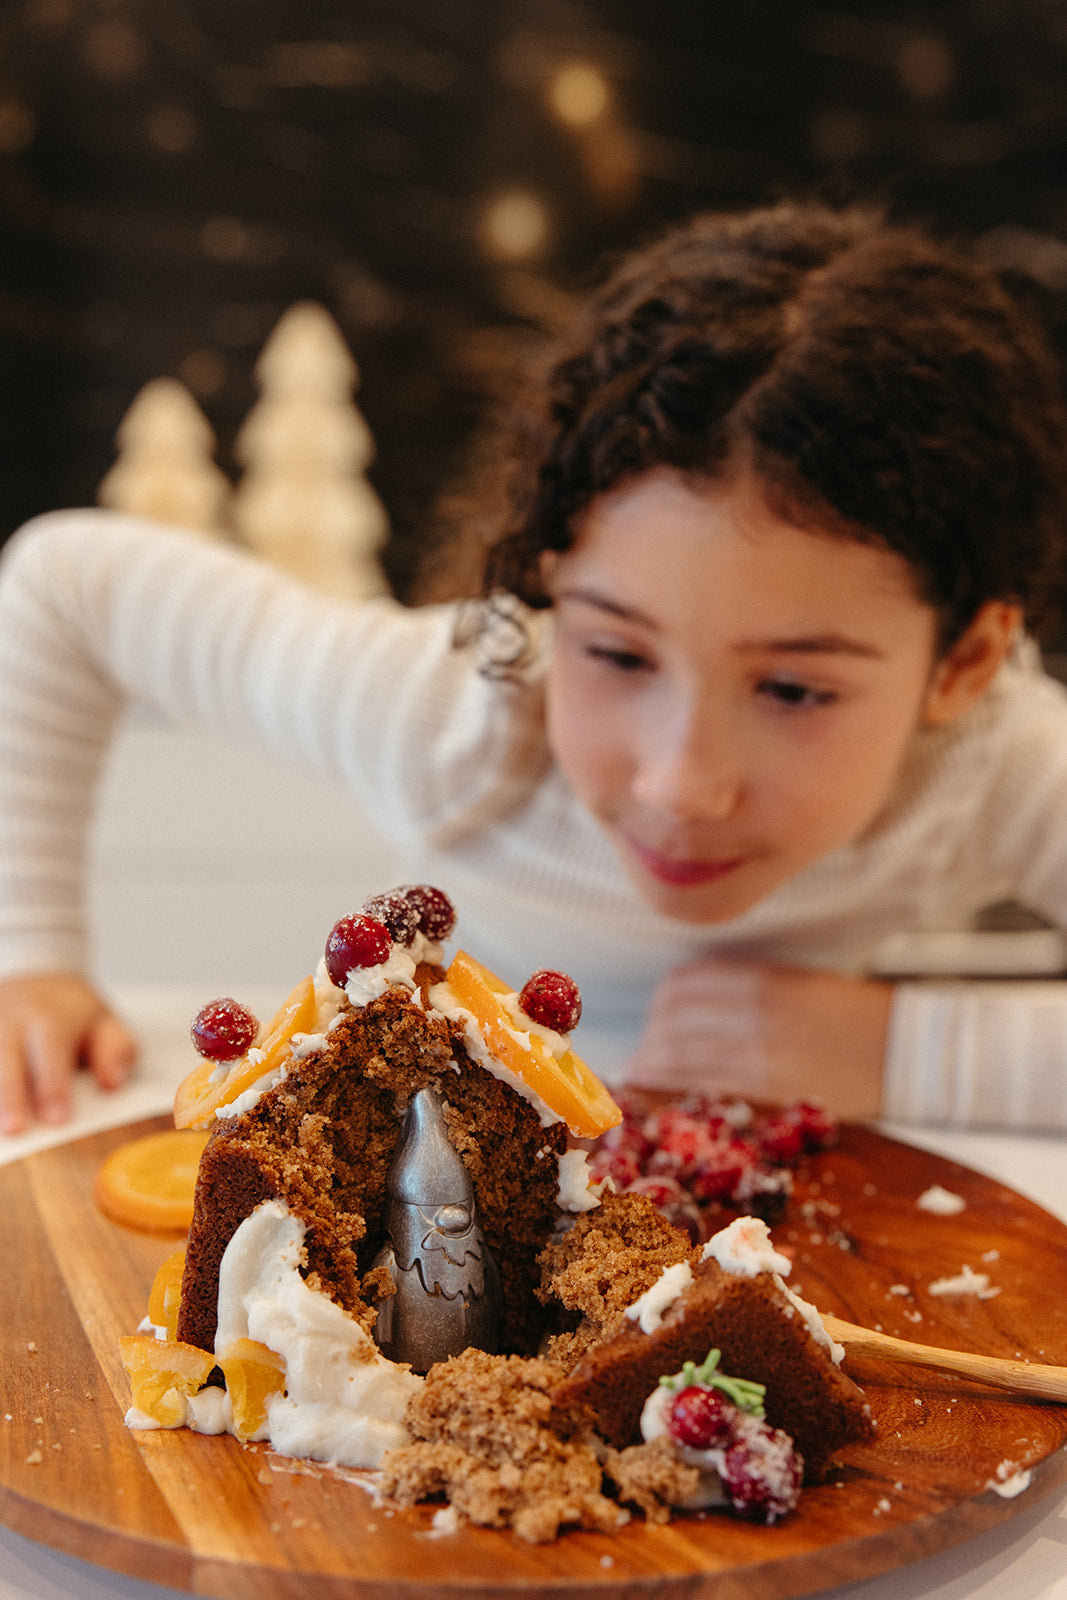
<point x="767" y="1032"/>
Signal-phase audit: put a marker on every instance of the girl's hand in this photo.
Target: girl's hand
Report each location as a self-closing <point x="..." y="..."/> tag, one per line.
<point x="51" y="1024"/>
<point x="773" y="1033"/>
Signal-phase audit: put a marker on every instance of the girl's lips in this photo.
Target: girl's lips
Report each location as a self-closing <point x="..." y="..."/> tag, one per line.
<point x="681" y="873"/>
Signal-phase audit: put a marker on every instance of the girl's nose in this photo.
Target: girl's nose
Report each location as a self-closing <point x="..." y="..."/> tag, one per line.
<point x="689" y="771"/>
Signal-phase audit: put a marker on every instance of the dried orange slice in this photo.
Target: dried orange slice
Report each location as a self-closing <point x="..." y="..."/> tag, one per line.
<point x="566" y="1085"/>
<point x="198" y="1098"/>
<point x="165" y="1297"/>
<point x="253" y="1372"/>
<point x="149" y="1182"/>
<point x="163" y="1374"/>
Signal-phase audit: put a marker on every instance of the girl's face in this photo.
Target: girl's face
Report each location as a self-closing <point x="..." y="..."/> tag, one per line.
<point x="730" y="695"/>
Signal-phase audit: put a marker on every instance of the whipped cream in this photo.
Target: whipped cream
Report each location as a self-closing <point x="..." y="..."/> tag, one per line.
<point x="648" y="1309"/>
<point x="343" y="1401"/>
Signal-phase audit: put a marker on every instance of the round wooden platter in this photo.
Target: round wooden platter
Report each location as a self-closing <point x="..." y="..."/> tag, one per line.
<point x="209" y="1515"/>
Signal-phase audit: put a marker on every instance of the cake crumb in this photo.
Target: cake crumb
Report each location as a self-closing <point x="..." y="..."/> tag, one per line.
<point x="941" y="1202"/>
<point x="488" y="1437"/>
<point x="35" y="1458"/>
<point x="967" y="1281"/>
<point x="1010" y="1480"/>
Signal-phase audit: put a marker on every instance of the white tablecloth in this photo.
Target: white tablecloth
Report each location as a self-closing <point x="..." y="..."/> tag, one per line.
<point x="1025" y="1559"/>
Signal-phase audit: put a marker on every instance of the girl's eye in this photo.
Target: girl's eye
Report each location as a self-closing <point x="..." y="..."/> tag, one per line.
<point x="621" y="660"/>
<point x="786" y="692"/>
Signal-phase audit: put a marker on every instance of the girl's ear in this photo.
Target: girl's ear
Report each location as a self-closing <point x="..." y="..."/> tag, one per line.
<point x="965" y="672"/>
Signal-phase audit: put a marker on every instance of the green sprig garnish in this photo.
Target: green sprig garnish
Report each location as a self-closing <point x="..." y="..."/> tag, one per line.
<point x="744" y="1394"/>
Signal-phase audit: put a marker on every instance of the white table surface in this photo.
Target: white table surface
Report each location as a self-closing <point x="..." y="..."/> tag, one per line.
<point x="1024" y="1559"/>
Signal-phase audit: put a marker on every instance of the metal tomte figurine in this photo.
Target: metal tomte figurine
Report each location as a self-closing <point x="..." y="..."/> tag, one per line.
<point x="447" y="1287"/>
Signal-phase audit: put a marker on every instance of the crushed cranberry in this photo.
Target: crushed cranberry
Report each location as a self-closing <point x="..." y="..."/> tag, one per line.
<point x="701" y="1418"/>
<point x="552" y="999"/>
<point x="355" y="941"/>
<point x="223" y="1030"/>
<point x="435" y="911"/>
<point x="780" y="1139"/>
<point x="716" y="1151"/>
<point x="721" y="1168"/>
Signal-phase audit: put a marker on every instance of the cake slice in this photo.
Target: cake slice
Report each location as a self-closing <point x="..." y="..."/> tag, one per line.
<point x="730" y="1297"/>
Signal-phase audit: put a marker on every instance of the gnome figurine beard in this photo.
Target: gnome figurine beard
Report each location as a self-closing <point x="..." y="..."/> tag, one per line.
<point x="447" y="1287"/>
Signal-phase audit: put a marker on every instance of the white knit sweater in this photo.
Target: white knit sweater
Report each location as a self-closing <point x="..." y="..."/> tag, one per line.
<point x="97" y="610"/>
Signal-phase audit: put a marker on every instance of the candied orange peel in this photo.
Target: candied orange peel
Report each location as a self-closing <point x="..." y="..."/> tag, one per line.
<point x="163" y="1374"/>
<point x="253" y="1372"/>
<point x="165" y="1296"/>
<point x="148" y="1183"/>
<point x="566" y="1085"/>
<point x="198" y="1097"/>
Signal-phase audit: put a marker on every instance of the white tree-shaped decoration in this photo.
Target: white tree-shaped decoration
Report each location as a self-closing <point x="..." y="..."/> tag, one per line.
<point x="304" y="501"/>
<point x="164" y="467"/>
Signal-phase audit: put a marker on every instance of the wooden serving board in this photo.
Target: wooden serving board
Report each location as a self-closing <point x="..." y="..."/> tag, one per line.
<point x="210" y="1515"/>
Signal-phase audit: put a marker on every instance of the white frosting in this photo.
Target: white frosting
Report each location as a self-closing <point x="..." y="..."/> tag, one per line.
<point x="576" y="1192"/>
<point x="343" y="1401"/>
<point x="364" y="984"/>
<point x="648" y="1309"/>
<point x="745" y="1249"/>
<point x="941" y="1202"/>
<point x="245" y="1101"/>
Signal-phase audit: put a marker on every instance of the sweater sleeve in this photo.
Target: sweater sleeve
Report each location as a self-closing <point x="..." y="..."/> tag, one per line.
<point x="98" y="610"/>
<point x="978" y="1055"/>
<point x="994" y="1053"/>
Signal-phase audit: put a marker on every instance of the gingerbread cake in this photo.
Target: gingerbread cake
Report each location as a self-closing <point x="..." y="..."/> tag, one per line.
<point x="400" y="1257"/>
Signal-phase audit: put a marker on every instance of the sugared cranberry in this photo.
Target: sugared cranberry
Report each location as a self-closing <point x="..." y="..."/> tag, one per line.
<point x="398" y="914"/>
<point x="552" y="999"/>
<point x="435" y="911"/>
<point x="762" y="1472"/>
<point x="223" y="1030"/>
<point x="701" y="1418"/>
<point x="355" y="941"/>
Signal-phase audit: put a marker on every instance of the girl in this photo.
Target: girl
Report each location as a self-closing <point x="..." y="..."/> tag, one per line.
<point x="749" y="693"/>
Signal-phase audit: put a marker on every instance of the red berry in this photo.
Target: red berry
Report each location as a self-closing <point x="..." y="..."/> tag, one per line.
<point x="701" y="1418"/>
<point x="762" y="1471"/>
<point x="552" y="999"/>
<point x="818" y="1127"/>
<point x="223" y="1030"/>
<point x="355" y="941"/>
<point x="436" y="913"/>
<point x="397" y="913"/>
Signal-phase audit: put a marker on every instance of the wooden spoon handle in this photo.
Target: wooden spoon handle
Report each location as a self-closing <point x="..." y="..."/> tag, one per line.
<point x="1047" y="1383"/>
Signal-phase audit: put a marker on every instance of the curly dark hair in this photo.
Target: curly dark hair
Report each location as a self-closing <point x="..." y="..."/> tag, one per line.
<point x="882" y="386"/>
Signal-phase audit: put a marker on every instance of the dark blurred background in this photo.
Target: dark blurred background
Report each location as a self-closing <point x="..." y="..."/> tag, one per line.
<point x="443" y="175"/>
